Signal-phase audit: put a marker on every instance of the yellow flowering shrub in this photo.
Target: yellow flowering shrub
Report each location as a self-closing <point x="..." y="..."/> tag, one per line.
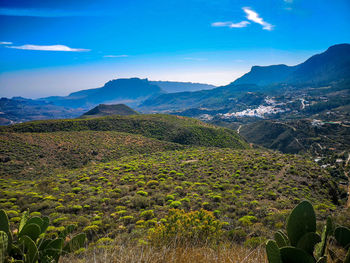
<point x="179" y="227"/>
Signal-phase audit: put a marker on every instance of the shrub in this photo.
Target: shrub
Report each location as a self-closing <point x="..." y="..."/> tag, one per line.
<point x="192" y="228"/>
<point x="247" y="220"/>
<point x="147" y="214"/>
<point x="143" y="193"/>
<point x="76" y="189"/>
<point x="152" y="183"/>
<point x="175" y="204"/>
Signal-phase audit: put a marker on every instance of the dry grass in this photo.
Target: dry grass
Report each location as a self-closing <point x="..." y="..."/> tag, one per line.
<point x="147" y="254"/>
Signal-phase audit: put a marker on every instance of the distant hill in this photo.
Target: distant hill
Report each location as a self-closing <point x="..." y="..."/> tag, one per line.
<point x="329" y="68"/>
<point x="106" y="110"/>
<point x="218" y="97"/>
<point x="331" y="65"/>
<point x="299" y="136"/>
<point x="169" y="128"/>
<point x="128" y="91"/>
<point x="19" y="109"/>
<point x="173" y="86"/>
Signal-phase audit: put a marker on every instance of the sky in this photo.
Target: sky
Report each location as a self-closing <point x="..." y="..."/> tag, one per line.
<point x="58" y="47"/>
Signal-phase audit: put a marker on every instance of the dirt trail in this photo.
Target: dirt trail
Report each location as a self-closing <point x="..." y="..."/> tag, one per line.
<point x="239" y="128"/>
<point x="282" y="172"/>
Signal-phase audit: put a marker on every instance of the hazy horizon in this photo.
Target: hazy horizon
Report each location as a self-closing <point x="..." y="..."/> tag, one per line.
<point x="55" y="48"/>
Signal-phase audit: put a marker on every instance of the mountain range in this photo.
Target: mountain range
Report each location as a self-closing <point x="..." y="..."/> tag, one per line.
<point x="331" y="65"/>
<point x="329" y="69"/>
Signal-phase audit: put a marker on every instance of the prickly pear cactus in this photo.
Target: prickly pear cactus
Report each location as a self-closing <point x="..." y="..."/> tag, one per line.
<point x="342" y="235"/>
<point x="302" y="220"/>
<point x="3" y="245"/>
<point x="273" y="252"/>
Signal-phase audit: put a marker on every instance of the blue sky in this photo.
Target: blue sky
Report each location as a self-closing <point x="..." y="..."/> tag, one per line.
<point x="56" y="47"/>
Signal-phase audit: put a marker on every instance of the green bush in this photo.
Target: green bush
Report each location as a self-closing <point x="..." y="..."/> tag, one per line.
<point x="192" y="228"/>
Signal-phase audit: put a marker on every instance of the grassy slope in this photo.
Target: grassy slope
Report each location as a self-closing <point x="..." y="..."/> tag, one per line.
<point x="163" y="127"/>
<point x="110" y="197"/>
<point x="37" y="154"/>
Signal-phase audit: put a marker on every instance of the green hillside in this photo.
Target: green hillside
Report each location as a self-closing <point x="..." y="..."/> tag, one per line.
<point x="299" y="136"/>
<point x="251" y="190"/>
<point x="170" y="128"/>
<point x="39" y="154"/>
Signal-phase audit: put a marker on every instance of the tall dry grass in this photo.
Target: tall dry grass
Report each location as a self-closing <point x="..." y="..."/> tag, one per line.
<point x="119" y="253"/>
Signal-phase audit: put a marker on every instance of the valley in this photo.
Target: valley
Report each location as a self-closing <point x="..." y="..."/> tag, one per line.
<point x="140" y="165"/>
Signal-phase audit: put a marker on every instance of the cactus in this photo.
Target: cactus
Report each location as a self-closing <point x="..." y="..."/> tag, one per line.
<point x="281" y="239"/>
<point x="342" y="235"/>
<point x="273" y="252"/>
<point x="31" y="230"/>
<point x="295" y="255"/>
<point x="5" y="226"/>
<point x="75" y="243"/>
<point x="302" y="220"/>
<point x="347" y="257"/>
<point x="28" y="247"/>
<point x="303" y="244"/>
<point x="69" y="229"/>
<point x="308" y="242"/>
<point x="322" y="260"/>
<point x="321" y="247"/>
<point x="53" y="250"/>
<point x="24" y="220"/>
<point x="3" y="245"/>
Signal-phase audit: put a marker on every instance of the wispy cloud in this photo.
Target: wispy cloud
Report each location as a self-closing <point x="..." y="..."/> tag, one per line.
<point x="254" y="16"/>
<point x="115" y="56"/>
<point x="230" y="24"/>
<point x="43" y="12"/>
<point x="288" y="1"/>
<point x="5" y="43"/>
<point x="49" y="48"/>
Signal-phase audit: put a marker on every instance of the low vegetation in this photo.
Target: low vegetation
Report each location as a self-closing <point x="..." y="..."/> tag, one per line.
<point x="26" y="155"/>
<point x="175" y="129"/>
<point x="251" y="191"/>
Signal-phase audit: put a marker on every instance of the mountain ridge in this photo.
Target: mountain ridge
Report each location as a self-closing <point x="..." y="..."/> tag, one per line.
<point x="330" y="65"/>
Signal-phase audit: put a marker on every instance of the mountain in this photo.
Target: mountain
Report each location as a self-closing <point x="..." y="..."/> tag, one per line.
<point x="129" y="91"/>
<point x="106" y="110"/>
<point x="331" y="65"/>
<point x="19" y="109"/>
<point x="319" y="76"/>
<point x="173" y="86"/>
<point x="218" y="98"/>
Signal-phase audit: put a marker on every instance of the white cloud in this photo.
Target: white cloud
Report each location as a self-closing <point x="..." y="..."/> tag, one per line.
<point x="115" y="56"/>
<point x="288" y="1"/>
<point x="49" y="48"/>
<point x="230" y="24"/>
<point x="254" y="16"/>
<point x="5" y="43"/>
